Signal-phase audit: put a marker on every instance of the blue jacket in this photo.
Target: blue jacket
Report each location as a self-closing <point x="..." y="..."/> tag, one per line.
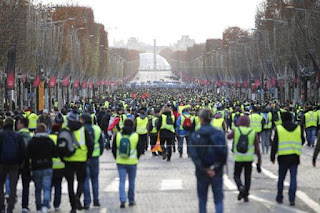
<point x="182" y="132"/>
<point x="208" y="148"/>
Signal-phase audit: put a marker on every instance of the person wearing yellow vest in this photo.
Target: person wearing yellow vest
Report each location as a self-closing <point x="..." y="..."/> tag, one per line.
<point x="244" y="159"/>
<point x="106" y="104"/>
<point x="58" y="167"/>
<point x="184" y="132"/>
<point x="26" y="177"/>
<point x="127" y="164"/>
<point x="219" y="123"/>
<point x="166" y="126"/>
<point x="287" y="144"/>
<point x="152" y="129"/>
<point x="76" y="164"/>
<point x="256" y="121"/>
<point x="93" y="163"/>
<point x="310" y="123"/>
<point x="196" y="122"/>
<point x="142" y="129"/>
<point x="33" y="119"/>
<point x="266" y="130"/>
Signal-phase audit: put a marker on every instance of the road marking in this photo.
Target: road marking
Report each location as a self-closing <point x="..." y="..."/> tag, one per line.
<point x="171" y="184"/>
<point x="300" y="194"/>
<point x="231" y="186"/>
<point x="103" y="210"/>
<point x="114" y="185"/>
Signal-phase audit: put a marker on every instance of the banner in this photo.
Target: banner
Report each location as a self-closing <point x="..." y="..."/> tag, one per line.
<point x="84" y="84"/>
<point x="66" y="81"/>
<point x="76" y="84"/>
<point x="90" y="85"/>
<point x="36" y="82"/>
<point x="10" y="82"/>
<point x="52" y="82"/>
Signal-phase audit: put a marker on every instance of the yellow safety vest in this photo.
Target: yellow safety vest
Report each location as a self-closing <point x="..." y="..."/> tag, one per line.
<point x="106" y="104"/>
<point x="217" y="123"/>
<point x="310" y="119"/>
<point x="33" y="118"/>
<point x="256" y="122"/>
<point x="197" y="123"/>
<point x="133" y="159"/>
<point x="269" y="124"/>
<point x="166" y="126"/>
<point x="142" y="125"/>
<point x="56" y="162"/>
<point x="244" y="157"/>
<point x="97" y="135"/>
<point x="81" y="153"/>
<point x="154" y="125"/>
<point x="289" y="143"/>
<point x="123" y="117"/>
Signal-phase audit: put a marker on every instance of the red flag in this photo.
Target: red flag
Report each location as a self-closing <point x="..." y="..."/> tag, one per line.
<point x="245" y="84"/>
<point x="52" y="82"/>
<point x="84" y="84"/>
<point x="36" y="82"/>
<point x="90" y="85"/>
<point x="238" y="84"/>
<point x="98" y="83"/>
<point x="114" y="123"/>
<point x="257" y="82"/>
<point x="253" y="86"/>
<point x="10" y="81"/>
<point x="65" y="81"/>
<point x="273" y="82"/>
<point x="76" y="84"/>
<point x="224" y="83"/>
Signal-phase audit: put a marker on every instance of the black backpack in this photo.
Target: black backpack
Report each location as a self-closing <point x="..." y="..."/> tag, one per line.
<point x="67" y="143"/>
<point x="10" y="148"/>
<point x="169" y="120"/>
<point x="243" y="143"/>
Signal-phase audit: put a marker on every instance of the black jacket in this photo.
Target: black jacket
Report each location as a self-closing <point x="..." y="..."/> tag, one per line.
<point x="163" y="132"/>
<point x="41" y="150"/>
<point x="289" y="159"/>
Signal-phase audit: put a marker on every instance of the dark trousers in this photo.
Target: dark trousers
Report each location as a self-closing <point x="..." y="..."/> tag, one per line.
<point x="57" y="177"/>
<point x="153" y="140"/>
<point x="78" y="169"/>
<point x="143" y="139"/>
<point x="238" y="167"/>
<point x="166" y="144"/>
<point x="283" y="169"/>
<point x="26" y="180"/>
<point x="13" y="172"/>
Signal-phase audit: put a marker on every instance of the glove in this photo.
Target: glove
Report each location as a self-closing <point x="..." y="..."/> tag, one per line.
<point x="258" y="168"/>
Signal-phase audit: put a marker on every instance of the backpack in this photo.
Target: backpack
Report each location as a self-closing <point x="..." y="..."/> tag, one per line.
<point x="236" y="118"/>
<point x="10" y="148"/>
<point x="124" y="148"/>
<point x="187" y="124"/>
<point x="67" y="143"/>
<point x="59" y="118"/>
<point x="243" y="143"/>
<point x="169" y="120"/>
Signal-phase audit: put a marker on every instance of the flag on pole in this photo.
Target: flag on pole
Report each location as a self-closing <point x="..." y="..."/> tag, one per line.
<point x="157" y="147"/>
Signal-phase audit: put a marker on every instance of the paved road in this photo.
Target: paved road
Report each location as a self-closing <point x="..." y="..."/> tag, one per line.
<point x="170" y="187"/>
<point x="144" y="76"/>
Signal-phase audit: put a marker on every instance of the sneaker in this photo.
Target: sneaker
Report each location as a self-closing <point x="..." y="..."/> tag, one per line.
<point x="78" y="204"/>
<point x="292" y="204"/>
<point x="279" y="200"/>
<point x="73" y="211"/>
<point x="25" y="210"/>
<point x="86" y="207"/>
<point x="240" y="196"/>
<point x="246" y="199"/>
<point x="122" y="205"/>
<point x="180" y="155"/>
<point x="164" y="156"/>
<point x="44" y="209"/>
<point x="132" y="204"/>
<point x="242" y="191"/>
<point x="168" y="158"/>
<point x="57" y="209"/>
<point x="97" y="204"/>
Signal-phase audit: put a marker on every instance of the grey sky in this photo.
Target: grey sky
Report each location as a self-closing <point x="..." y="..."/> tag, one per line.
<point x="167" y="20"/>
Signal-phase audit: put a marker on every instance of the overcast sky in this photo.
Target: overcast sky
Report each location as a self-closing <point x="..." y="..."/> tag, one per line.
<point x="168" y="20"/>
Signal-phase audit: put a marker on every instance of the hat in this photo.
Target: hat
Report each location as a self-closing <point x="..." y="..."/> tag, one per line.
<point x="45" y="111"/>
<point x="73" y="116"/>
<point x="27" y="110"/>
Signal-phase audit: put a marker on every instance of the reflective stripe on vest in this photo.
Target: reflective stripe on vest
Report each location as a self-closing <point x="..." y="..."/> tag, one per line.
<point x="269" y="124"/>
<point x="133" y="159"/>
<point x="81" y="152"/>
<point x="289" y="142"/>
<point x="97" y="135"/>
<point x="310" y="119"/>
<point x="255" y="122"/>
<point x="154" y="128"/>
<point x="197" y="123"/>
<point x="244" y="157"/>
<point x="56" y="162"/>
<point x="217" y="123"/>
<point x="33" y="118"/>
<point x="166" y="126"/>
<point x="142" y="126"/>
<point x="121" y="121"/>
<point x="279" y="121"/>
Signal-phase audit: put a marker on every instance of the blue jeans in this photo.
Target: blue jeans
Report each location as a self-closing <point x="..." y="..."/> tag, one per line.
<point x="123" y="170"/>
<point x="42" y="181"/>
<point x="311" y="135"/>
<point x="283" y="168"/>
<point x="217" y="188"/>
<point x="7" y="185"/>
<point x="93" y="174"/>
<point x="180" y="143"/>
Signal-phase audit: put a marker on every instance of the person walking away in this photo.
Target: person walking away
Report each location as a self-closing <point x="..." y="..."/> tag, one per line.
<point x="26" y="178"/>
<point x="153" y="132"/>
<point x="209" y="153"/>
<point x="219" y="123"/>
<point x="76" y="164"/>
<point x="41" y="150"/>
<point x="266" y="130"/>
<point x="184" y="129"/>
<point x="310" y="121"/>
<point x="245" y="145"/>
<point x="256" y="121"/>
<point x="142" y="129"/>
<point x="167" y="132"/>
<point x="287" y="145"/>
<point x="12" y="155"/>
<point x="58" y="170"/>
<point x="127" y="149"/>
<point x="93" y="163"/>
<point x="33" y="118"/>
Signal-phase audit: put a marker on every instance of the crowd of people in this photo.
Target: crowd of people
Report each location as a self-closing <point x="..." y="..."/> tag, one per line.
<point x="67" y="143"/>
